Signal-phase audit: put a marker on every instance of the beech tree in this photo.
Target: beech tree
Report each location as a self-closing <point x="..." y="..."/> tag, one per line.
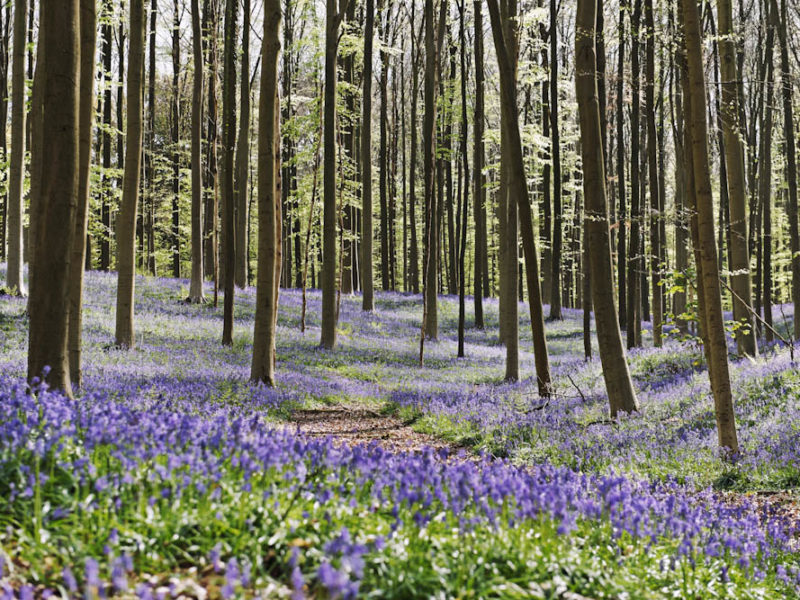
<point x="269" y="201"/>
<point x="619" y="386"/>
<point x="126" y="220"/>
<point x="196" y="285"/>
<point x="55" y="207"/>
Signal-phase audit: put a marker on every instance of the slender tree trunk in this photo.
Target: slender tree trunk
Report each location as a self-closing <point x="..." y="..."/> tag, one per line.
<point x="148" y="206"/>
<point x="622" y="247"/>
<point x="88" y="39"/>
<point x="519" y="191"/>
<point x="367" y="299"/>
<point x="229" y="148"/>
<point x="633" y="292"/>
<point x="555" y="142"/>
<point x="382" y="152"/>
<point x="430" y="317"/>
<point x="126" y="221"/>
<point x="243" y="154"/>
<point x="4" y="44"/>
<point x="765" y="174"/>
<point x="653" y="175"/>
<point x="106" y="194"/>
<point x="619" y="386"/>
<point x="715" y="332"/>
<point x="15" y="275"/>
<point x="479" y="179"/>
<point x="269" y="201"/>
<point x="791" y="157"/>
<point x="176" y="132"/>
<point x="465" y="188"/>
<point x="56" y="207"/>
<point x="734" y="159"/>
<point x="196" y="285"/>
<point x="334" y="16"/>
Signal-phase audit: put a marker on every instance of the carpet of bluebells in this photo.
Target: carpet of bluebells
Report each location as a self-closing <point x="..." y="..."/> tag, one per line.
<point x="171" y="476"/>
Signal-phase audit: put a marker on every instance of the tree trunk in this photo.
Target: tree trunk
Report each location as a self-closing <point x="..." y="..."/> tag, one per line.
<point x="269" y="201"/>
<point x="430" y="317"/>
<point x="106" y="195"/>
<point x="465" y="189"/>
<point x="633" y="292"/>
<point x="196" y="286"/>
<point x="715" y="332"/>
<point x="88" y="39"/>
<point x="229" y="148"/>
<point x="555" y="142"/>
<point x="653" y="173"/>
<point x="765" y="174"/>
<point x="16" y="172"/>
<point x="176" y="132"/>
<point x="622" y="247"/>
<point x="333" y="19"/>
<point x="734" y="160"/>
<point x="148" y="206"/>
<point x="243" y="155"/>
<point x="519" y="191"/>
<point x="619" y="386"/>
<point x="382" y="153"/>
<point x="479" y="179"/>
<point x="4" y="43"/>
<point x="791" y="158"/>
<point x="367" y="299"/>
<point x="56" y="207"/>
<point x="126" y="221"/>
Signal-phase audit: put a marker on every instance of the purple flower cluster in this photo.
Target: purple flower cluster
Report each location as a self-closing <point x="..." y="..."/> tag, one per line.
<point x="182" y="453"/>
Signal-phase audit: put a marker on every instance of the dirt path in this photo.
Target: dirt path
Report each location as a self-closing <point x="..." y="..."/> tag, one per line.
<point x="357" y="424"/>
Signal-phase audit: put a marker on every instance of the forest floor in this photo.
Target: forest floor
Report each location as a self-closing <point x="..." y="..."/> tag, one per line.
<point x="362" y="472"/>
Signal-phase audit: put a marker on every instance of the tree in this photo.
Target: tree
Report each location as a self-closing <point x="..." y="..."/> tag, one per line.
<point x="711" y="303"/>
<point x="229" y="148"/>
<point x="765" y="173"/>
<point x="269" y="202"/>
<point x="126" y="220"/>
<point x="107" y="34"/>
<point x="734" y="161"/>
<point x="196" y="285"/>
<point x="653" y="174"/>
<point x="791" y="156"/>
<point x="479" y="179"/>
<point x="619" y="386"/>
<point x="15" y="277"/>
<point x="88" y="36"/>
<point x="519" y="191"/>
<point x="555" y="154"/>
<point x="634" y="292"/>
<point x="55" y="209"/>
<point x="175" y="131"/>
<point x="462" y="37"/>
<point x="243" y="155"/>
<point x="334" y="15"/>
<point x="367" y="299"/>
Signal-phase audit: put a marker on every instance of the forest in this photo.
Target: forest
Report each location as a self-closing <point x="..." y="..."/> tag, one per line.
<point x="399" y="299"/>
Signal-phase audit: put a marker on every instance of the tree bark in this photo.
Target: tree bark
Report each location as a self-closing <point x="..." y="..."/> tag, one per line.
<point x="520" y="192"/>
<point x="715" y="332"/>
<point x="555" y="143"/>
<point x="653" y="173"/>
<point x="56" y="208"/>
<point x="107" y="195"/>
<point x="243" y="155"/>
<point x="126" y="220"/>
<point x="229" y="148"/>
<point x="196" y="285"/>
<point x="16" y="172"/>
<point x="634" y="292"/>
<point x="176" y="133"/>
<point x="619" y="386"/>
<point x="269" y="202"/>
<point x="88" y="39"/>
<point x="479" y="180"/>
<point x="734" y="161"/>
<point x="367" y="299"/>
